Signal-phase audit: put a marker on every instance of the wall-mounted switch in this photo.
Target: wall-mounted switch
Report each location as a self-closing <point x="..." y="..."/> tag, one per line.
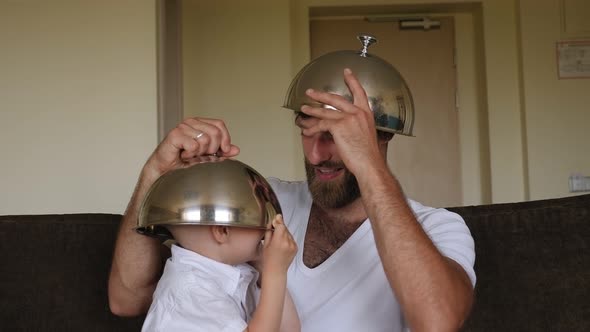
<point x="579" y="182"/>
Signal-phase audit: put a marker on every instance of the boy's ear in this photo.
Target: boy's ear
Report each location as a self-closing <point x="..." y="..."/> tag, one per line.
<point x="220" y="233"/>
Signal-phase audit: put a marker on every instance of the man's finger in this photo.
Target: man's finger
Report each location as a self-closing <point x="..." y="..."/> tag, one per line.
<point x="319" y="127"/>
<point x="338" y="102"/>
<point x="359" y="95"/>
<point x="184" y="144"/>
<point x="321" y="113"/>
<point x="212" y="134"/>
<point x="225" y="139"/>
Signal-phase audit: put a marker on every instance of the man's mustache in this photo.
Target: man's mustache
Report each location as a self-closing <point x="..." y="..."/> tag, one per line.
<point x="329" y="164"/>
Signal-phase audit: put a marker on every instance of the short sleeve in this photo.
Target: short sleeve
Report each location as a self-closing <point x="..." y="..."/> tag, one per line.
<point x="449" y="233"/>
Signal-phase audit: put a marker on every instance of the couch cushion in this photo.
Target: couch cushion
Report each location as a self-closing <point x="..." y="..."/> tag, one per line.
<point x="54" y="273"/>
<point x="532" y="264"/>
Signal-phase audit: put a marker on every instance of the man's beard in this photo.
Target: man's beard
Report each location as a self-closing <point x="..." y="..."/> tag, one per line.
<point x="336" y="193"/>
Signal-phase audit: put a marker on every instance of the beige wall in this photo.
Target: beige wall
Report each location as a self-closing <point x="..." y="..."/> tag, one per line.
<point x="77" y="103"/>
<point x="78" y="95"/>
<point x="503" y="101"/>
<point x="237" y="68"/>
<point x="557" y="112"/>
<point x="472" y="108"/>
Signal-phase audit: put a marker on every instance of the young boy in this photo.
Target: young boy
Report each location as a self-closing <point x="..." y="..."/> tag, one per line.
<point x="208" y="285"/>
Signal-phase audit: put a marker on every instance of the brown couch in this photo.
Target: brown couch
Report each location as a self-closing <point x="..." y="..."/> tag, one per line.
<point x="533" y="268"/>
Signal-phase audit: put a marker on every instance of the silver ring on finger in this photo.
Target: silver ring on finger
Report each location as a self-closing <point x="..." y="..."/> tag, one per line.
<point x="198" y="135"/>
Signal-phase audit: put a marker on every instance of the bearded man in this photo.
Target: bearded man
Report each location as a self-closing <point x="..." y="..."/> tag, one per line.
<point x="369" y="260"/>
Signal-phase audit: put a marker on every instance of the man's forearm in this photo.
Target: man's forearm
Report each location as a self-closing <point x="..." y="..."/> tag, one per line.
<point x="433" y="291"/>
<point x="136" y="262"/>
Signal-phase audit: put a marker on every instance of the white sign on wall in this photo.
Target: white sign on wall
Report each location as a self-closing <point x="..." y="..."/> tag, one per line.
<point x="573" y="59"/>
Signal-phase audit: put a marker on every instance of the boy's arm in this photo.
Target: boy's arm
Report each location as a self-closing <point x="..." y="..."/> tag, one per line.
<point x="290" y="321"/>
<point x="267" y="316"/>
<point x="278" y="252"/>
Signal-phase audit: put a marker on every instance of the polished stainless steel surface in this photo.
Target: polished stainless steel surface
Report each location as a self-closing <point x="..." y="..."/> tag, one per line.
<point x="212" y="191"/>
<point x="389" y="96"/>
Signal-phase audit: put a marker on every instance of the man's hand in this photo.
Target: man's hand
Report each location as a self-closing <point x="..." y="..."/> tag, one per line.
<point x="351" y="125"/>
<point x="192" y="137"/>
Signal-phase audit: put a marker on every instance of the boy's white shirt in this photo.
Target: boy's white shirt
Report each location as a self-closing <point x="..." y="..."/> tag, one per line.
<point x="196" y="293"/>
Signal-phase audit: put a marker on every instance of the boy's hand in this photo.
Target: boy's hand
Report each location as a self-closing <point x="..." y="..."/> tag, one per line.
<point x="279" y="247"/>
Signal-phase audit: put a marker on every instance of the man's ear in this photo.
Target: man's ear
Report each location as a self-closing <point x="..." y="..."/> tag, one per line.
<point x="220" y="233"/>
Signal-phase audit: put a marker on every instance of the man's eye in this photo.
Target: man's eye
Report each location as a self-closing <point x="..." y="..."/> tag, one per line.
<point x="300" y="118"/>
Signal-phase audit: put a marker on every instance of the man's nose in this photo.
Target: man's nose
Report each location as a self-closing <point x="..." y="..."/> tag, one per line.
<point x="321" y="149"/>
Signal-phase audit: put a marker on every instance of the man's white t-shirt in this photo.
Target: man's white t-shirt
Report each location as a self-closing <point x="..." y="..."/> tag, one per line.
<point x="196" y="293"/>
<point x="349" y="291"/>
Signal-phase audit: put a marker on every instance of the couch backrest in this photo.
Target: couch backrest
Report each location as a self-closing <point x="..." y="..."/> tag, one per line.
<point x="54" y="273"/>
<point x="532" y="265"/>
